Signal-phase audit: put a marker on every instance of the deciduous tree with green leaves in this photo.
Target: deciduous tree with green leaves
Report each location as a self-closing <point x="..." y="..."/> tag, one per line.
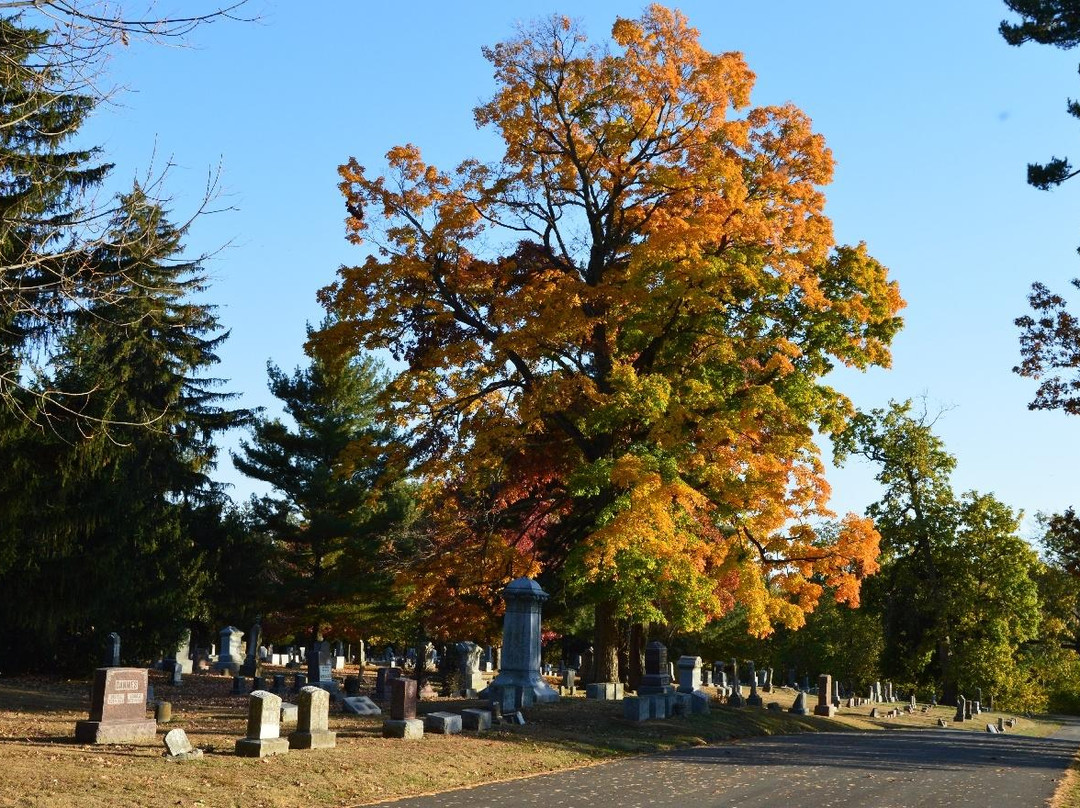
<point x="958" y="591"/>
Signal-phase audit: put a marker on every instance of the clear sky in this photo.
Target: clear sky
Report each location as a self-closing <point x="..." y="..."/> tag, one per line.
<point x="931" y="117"/>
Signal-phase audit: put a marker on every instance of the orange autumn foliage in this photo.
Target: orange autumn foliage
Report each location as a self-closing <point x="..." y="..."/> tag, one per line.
<point x="614" y="339"/>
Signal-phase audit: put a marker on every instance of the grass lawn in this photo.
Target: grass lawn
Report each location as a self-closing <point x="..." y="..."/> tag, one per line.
<point x="41" y="765"/>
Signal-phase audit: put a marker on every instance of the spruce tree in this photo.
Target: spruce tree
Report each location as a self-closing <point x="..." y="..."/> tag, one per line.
<point x="43" y="179"/>
<point x="334" y="502"/>
<point x="130" y="461"/>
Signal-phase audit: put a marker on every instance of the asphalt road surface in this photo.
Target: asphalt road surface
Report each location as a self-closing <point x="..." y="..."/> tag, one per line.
<point x="892" y="768"/>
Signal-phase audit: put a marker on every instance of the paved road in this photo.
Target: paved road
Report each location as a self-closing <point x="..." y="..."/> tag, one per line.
<point x="888" y="769"/>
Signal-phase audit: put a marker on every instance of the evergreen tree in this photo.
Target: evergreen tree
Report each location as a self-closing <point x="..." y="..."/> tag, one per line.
<point x="130" y="461"/>
<point x="332" y="512"/>
<point x="42" y="182"/>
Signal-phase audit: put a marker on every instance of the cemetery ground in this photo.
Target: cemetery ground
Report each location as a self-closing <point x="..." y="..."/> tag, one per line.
<point x="42" y="764"/>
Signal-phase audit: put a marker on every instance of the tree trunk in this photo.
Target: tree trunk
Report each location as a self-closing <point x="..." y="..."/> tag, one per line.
<point x="606" y="658"/>
<point x="948" y="681"/>
<point x="638" y="632"/>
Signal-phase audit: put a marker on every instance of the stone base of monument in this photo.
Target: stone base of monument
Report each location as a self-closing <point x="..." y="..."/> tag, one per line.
<point x="136" y="731"/>
<point x="408" y="728"/>
<point x="604" y="691"/>
<point x="826" y="710"/>
<point x="659" y="706"/>
<point x="699" y="703"/>
<point x="261" y="747"/>
<point x="736" y="700"/>
<point x="322" y="739"/>
<point x="754" y="701"/>
<point x="534" y="689"/>
<point x="232" y="668"/>
<point x="330" y="687"/>
<point x="637" y="708"/>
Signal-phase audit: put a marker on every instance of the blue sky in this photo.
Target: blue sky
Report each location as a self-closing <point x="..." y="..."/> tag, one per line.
<point x="930" y="115"/>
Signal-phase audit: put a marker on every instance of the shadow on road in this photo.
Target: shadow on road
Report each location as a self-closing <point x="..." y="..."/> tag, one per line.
<point x="892" y="750"/>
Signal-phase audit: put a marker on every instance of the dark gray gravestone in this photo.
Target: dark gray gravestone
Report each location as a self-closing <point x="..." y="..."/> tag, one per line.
<point x="961" y="710"/>
<point x="319" y="664"/>
<point x="402" y="699"/>
<point x="112" y="651"/>
<point x="251" y="659"/>
<point x="656" y="680"/>
<point x="754" y="699"/>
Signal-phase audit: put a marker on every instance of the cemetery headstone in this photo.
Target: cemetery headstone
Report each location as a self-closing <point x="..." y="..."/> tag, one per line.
<point x="825" y="706"/>
<point x="754" y="699"/>
<point x="656" y="680"/>
<point x="312" y="722"/>
<point x="230" y="659"/>
<point x="736" y="698"/>
<point x="383" y="678"/>
<point x="175" y="671"/>
<point x="476" y="720"/>
<point x="290" y="713"/>
<point x="569" y="683"/>
<point x="402" y="699"/>
<point x="250" y="666"/>
<point x="182" y="654"/>
<point x="689" y="674"/>
<point x="442" y="723"/>
<point x="472" y="681"/>
<point x="117" y="709"/>
<point x="961" y="710"/>
<point x="112" y="651"/>
<point x="319" y="663"/>
<point x="360" y="705"/>
<point x="178" y="747"/>
<point x="799" y="705"/>
<point x="768" y="680"/>
<point x="520" y="663"/>
<point x="263" y="727"/>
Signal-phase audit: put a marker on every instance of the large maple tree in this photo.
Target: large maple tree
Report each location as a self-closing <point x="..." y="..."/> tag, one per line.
<point x="614" y="339"/>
